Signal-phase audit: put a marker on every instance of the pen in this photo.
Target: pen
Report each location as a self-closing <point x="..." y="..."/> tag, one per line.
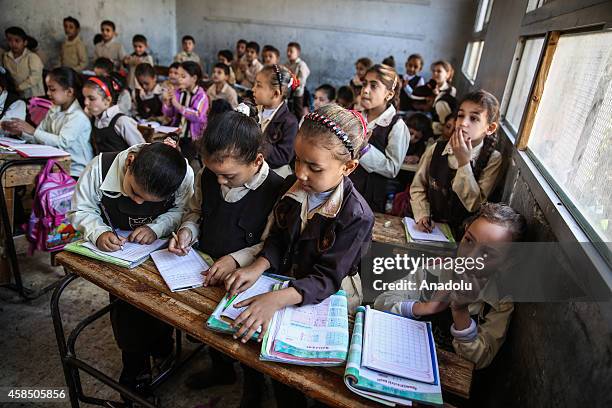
<point x="110" y="223"/>
<point x="177" y="241"/>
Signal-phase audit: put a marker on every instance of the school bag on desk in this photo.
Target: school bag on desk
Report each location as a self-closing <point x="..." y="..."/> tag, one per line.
<point x="48" y="229"/>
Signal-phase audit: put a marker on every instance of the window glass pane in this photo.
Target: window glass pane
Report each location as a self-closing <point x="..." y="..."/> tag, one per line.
<point x="481" y="15"/>
<point x="532" y="5"/>
<point x="572" y="132"/>
<point x="488" y="14"/>
<point x="471" y="60"/>
<point x="522" y="83"/>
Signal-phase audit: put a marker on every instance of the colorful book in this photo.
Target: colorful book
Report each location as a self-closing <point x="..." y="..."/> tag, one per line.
<point x="379" y="384"/>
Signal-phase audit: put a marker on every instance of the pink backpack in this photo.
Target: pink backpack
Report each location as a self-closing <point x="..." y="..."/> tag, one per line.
<point x="48" y="228"/>
<point x="38" y="108"/>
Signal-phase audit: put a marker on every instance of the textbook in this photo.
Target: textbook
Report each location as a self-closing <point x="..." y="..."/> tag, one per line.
<point x="225" y="313"/>
<point x="180" y="272"/>
<point x="387" y="352"/>
<point x="130" y="257"/>
<point x="37" y="150"/>
<point x="441" y="232"/>
<point x="311" y="335"/>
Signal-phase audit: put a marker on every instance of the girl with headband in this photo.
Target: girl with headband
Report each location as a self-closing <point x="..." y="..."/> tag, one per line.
<point x="318" y="228"/>
<point x="112" y="131"/>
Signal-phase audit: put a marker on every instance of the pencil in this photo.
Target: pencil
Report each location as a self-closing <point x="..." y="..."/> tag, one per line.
<point x="110" y="223"/>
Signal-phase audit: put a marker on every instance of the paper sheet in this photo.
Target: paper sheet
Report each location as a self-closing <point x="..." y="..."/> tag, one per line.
<point x="36" y="150"/>
<point x="10" y="141"/>
<point x="180" y="272"/>
<point x="263" y="285"/>
<point x="415" y="234"/>
<point x="396" y="345"/>
<point x="167" y="129"/>
<point x="131" y="252"/>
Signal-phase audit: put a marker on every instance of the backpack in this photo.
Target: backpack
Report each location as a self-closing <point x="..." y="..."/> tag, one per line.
<point x="38" y="108"/>
<point x="48" y="229"/>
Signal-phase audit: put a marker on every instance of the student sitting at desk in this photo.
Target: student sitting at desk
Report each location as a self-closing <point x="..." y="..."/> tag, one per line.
<point x="319" y="227"/>
<point x="227" y="215"/>
<point x="143" y="189"/>
<point x="478" y="322"/>
<point x="11" y="107"/>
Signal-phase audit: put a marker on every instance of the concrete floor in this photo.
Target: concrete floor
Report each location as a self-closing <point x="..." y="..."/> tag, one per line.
<point x="28" y="349"/>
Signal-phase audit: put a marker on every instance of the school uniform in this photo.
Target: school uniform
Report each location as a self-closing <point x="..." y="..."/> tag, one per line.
<point x="443" y="105"/>
<point x="411" y="82"/>
<point x="190" y="117"/>
<point x="227" y="92"/>
<point x="251" y="72"/>
<point x="74" y="54"/>
<point x="147" y="104"/>
<point x="280" y="128"/>
<point x="68" y="130"/>
<point x="382" y="161"/>
<point x="27" y="72"/>
<point x="446" y="192"/>
<point x="302" y="72"/>
<point x="124" y="101"/>
<point x="11" y="107"/>
<point x="187" y="56"/>
<point x="138" y="334"/>
<point x="236" y="64"/>
<point x="140" y="59"/>
<point x="317" y="239"/>
<point x="112" y="50"/>
<point x="480" y="342"/>
<point x="113" y="131"/>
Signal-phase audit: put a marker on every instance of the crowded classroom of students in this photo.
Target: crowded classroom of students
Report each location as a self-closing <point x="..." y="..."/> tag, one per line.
<point x="347" y="203"/>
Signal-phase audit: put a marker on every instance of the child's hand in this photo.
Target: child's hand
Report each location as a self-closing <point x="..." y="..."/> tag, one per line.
<point x="412" y="159"/>
<point x="108" y="241"/>
<point x="261" y="309"/>
<point x="425" y="224"/>
<point x="241" y="280"/>
<point x="143" y="235"/>
<point x="220" y="270"/>
<point x="168" y="95"/>
<point x="462" y="148"/>
<point x="18" y="126"/>
<point x="181" y="247"/>
<point x="175" y="102"/>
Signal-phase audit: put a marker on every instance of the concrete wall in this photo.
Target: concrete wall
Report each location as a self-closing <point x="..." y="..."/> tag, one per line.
<point x="333" y="34"/>
<point x="556" y="354"/>
<point x="43" y="21"/>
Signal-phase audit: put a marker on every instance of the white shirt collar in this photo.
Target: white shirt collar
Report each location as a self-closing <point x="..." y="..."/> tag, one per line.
<point x="384" y="119"/>
<point x="329" y="209"/>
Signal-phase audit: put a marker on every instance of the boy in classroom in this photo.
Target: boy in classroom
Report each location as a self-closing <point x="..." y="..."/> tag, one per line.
<point x="103" y="67"/>
<point x="144" y="190"/>
<point x="171" y="83"/>
<point x="473" y="325"/>
<point x="251" y="65"/>
<point x="388" y="142"/>
<point x="456" y="177"/>
<point x="301" y="72"/>
<point x="188" y="54"/>
<point x="279" y="126"/>
<point x="227" y="216"/>
<point x="361" y="67"/>
<point x="345" y="97"/>
<point x="73" y="53"/>
<point x="147" y="98"/>
<point x="240" y="59"/>
<point x="110" y="47"/>
<point x="226" y="57"/>
<point x="411" y="80"/>
<point x="220" y="89"/>
<point x="25" y="66"/>
<point x="319" y="227"/>
<point x="444" y="103"/>
<point x="270" y="55"/>
<point x="112" y="131"/>
<point x="139" y="56"/>
<point x="324" y="95"/>
<point x="66" y="126"/>
<point x="11" y="107"/>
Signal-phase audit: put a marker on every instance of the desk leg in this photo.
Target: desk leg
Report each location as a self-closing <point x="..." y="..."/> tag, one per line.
<point x="5" y="267"/>
<point x="9" y="199"/>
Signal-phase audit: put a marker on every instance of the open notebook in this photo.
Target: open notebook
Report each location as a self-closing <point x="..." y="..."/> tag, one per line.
<point x="437" y="235"/>
<point x="180" y="272"/>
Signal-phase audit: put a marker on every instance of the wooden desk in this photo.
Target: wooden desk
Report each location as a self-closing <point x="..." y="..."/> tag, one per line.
<point x="188" y="310"/>
<point x="388" y="229"/>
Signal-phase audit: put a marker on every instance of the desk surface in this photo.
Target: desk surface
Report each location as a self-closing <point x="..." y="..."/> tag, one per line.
<point x="188" y="311"/>
<point x="388" y="229"/>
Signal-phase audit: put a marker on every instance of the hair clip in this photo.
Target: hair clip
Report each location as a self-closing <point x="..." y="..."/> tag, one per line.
<point x="294" y="82"/>
<point x="364" y="124"/>
<point x="101" y="84"/>
<point x="332" y="126"/>
<point x="279" y="76"/>
<point x="244" y="109"/>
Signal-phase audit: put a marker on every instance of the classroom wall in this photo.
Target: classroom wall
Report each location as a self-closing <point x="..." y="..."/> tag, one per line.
<point x="333" y="34"/>
<point x="43" y="21"/>
<point x="556" y="354"/>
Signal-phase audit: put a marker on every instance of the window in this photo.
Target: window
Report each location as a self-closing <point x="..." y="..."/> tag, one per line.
<point x="534" y="4"/>
<point x="471" y="60"/>
<point x="571" y="137"/>
<point x="517" y="89"/>
<point x="483" y="15"/>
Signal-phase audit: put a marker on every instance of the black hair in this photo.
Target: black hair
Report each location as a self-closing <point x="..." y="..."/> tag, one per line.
<point x="187" y="38"/>
<point x="74" y="21"/>
<point x="227" y="54"/>
<point x="219" y="106"/>
<point x="193" y="69"/>
<point x="139" y="38"/>
<point x="223" y="67"/>
<point x="233" y="134"/>
<point x="295" y="45"/>
<point x="345" y="93"/>
<point x="241" y="41"/>
<point x="452" y="115"/>
<point x="31" y="42"/>
<point x="159" y="169"/>
<point x="253" y="45"/>
<point x="68" y="78"/>
<point x="108" y="23"/>
<point x="421" y="123"/>
<point x="329" y="90"/>
<point x="270" y="48"/>
<point x="112" y="86"/>
<point x="7" y="82"/>
<point x="279" y="78"/>
<point x="390" y="61"/>
<point x="105" y="64"/>
<point x="97" y="39"/>
<point x="174" y="65"/>
<point x="119" y="81"/>
<point x="145" y="69"/>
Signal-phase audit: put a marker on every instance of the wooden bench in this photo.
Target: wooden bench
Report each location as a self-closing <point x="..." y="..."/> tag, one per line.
<point x="188" y="311"/>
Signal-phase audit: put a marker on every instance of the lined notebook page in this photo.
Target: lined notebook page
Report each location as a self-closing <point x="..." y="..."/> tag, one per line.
<point x="397" y="345"/>
<point x="263" y="285"/>
<point x="132" y="252"/>
<point x="180" y="272"/>
<point x="435" y="235"/>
